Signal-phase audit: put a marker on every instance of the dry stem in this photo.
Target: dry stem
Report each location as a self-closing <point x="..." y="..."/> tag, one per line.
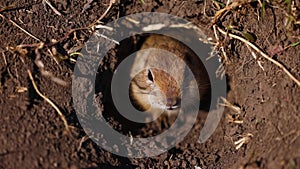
<point x="228" y="8"/>
<point x="47" y="99"/>
<point x="103" y="15"/>
<point x="52" y="7"/>
<point x="261" y="53"/>
<point x="14" y="23"/>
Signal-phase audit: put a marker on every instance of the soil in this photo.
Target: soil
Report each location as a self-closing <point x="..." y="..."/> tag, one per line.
<point x="34" y="136"/>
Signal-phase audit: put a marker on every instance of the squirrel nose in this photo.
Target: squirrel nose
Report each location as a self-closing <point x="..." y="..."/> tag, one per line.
<point x="173" y="103"/>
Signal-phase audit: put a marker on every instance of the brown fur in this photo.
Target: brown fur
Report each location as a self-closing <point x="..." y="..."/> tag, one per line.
<point x="168" y="78"/>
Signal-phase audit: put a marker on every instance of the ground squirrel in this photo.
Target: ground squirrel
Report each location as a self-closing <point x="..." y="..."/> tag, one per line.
<point x="160" y="82"/>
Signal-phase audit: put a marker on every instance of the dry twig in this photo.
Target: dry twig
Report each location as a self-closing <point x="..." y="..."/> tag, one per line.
<point x="234" y="119"/>
<point x="52" y="7"/>
<point x="67" y="34"/>
<point x="83" y="139"/>
<point x="261" y="53"/>
<point x="244" y="140"/>
<point x="228" y="8"/>
<point x="103" y="15"/>
<point x="14" y="23"/>
<point x="229" y="105"/>
<point x="46" y="98"/>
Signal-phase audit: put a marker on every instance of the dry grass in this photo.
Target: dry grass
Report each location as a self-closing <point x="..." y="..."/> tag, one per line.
<point x="247" y="41"/>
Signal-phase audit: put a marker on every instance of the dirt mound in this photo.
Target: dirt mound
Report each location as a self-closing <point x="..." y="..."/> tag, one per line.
<point x="33" y="135"/>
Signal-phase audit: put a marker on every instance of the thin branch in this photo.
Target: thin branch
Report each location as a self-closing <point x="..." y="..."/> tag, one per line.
<point x="227" y="8"/>
<point x="66" y="35"/>
<point x="52" y="7"/>
<point x="46" y="99"/>
<point x="104" y="14"/>
<point x="261" y="53"/>
<point x="14" y="23"/>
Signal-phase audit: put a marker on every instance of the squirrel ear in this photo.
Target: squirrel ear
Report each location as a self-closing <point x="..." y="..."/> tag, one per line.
<point x="150" y="75"/>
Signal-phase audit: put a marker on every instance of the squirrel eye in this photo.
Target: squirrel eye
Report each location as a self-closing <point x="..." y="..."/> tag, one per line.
<point x="150" y="76"/>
